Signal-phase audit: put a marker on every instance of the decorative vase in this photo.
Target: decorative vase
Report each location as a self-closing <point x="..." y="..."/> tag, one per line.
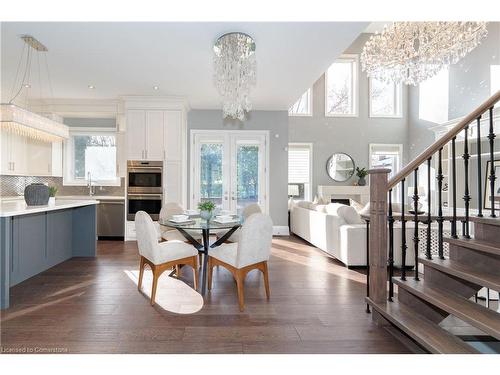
<point x="206" y="215"/>
<point x="52" y="201"/>
<point x="361" y="181"/>
<point x="36" y="194"/>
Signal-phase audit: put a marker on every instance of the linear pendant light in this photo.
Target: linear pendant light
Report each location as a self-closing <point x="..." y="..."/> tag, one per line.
<point x="17" y="120"/>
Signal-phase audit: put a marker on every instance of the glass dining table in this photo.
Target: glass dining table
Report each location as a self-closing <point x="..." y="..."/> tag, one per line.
<point x="206" y="227"/>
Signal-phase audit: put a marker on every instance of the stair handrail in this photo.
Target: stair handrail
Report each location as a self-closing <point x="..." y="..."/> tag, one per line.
<point x="441" y="142"/>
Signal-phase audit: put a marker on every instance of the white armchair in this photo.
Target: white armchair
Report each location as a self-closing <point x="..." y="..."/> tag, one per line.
<point x="251" y="252"/>
<point x="167" y="211"/>
<point x="161" y="256"/>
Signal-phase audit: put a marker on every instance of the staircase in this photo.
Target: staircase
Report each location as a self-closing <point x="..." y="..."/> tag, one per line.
<point x="416" y="305"/>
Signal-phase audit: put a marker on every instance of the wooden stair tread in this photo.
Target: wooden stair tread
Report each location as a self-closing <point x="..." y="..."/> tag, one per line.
<point x="474" y="244"/>
<point x="486" y="219"/>
<point x="464" y="272"/>
<point x="428" y="334"/>
<point x="481" y="317"/>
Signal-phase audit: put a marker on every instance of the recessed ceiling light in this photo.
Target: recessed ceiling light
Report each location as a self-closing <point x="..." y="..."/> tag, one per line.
<point x="156" y="87"/>
<point x="91" y="87"/>
<point x="27" y="85"/>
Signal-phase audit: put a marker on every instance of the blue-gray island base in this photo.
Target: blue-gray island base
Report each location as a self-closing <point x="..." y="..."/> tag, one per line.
<point x="34" y="242"/>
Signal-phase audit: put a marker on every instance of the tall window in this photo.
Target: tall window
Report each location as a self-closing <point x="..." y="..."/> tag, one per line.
<point x="300" y="170"/>
<point x="388" y="156"/>
<point x="91" y="152"/>
<point x="303" y="106"/>
<point x="341" y="86"/>
<point x="385" y="99"/>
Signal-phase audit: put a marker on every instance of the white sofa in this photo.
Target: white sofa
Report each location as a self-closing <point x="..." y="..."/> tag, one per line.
<point x="340" y="231"/>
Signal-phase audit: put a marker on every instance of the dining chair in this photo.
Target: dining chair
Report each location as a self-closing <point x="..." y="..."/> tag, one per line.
<point x="161" y="256"/>
<point x="167" y="211"/>
<point x="251" y="209"/>
<point x="251" y="252"/>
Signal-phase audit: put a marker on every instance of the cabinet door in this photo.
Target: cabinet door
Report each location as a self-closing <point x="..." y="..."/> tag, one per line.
<point x="18" y="154"/>
<point x="57" y="159"/>
<point x="136" y="133"/>
<point x="154" y="135"/>
<point x="39" y="158"/>
<point x="5" y="153"/>
<point x="173" y="135"/>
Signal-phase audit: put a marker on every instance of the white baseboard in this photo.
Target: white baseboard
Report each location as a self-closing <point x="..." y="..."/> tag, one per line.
<point x="281" y="230"/>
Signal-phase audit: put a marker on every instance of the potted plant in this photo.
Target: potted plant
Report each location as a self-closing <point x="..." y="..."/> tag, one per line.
<point x="206" y="209"/>
<point x="52" y="195"/>
<point x="361" y="173"/>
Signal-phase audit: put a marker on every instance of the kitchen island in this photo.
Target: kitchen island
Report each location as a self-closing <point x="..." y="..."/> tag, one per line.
<point x="36" y="238"/>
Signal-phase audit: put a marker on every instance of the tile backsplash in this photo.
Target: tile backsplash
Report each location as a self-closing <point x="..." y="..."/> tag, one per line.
<point x="14" y="185"/>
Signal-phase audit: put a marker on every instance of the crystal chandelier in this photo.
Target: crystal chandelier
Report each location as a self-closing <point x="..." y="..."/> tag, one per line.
<point x="235" y="73"/>
<point x="411" y="52"/>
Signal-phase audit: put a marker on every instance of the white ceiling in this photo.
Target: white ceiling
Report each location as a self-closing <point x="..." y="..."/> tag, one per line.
<point x="131" y="58"/>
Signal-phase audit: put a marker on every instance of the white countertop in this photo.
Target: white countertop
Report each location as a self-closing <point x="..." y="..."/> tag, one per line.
<point x="19" y="207"/>
<point x="70" y="197"/>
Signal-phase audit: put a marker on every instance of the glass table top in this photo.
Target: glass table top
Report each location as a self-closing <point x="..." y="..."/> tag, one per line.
<point x="199" y="223"/>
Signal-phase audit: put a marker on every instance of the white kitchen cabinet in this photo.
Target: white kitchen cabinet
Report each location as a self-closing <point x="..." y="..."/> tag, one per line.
<point x="22" y="156"/>
<point x="136" y="134"/>
<point x="154" y="135"/>
<point x="13" y="154"/>
<point x="173" y="135"/>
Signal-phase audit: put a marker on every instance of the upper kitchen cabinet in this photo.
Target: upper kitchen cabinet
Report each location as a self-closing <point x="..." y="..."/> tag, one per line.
<point x="13" y="154"/>
<point x="145" y="131"/>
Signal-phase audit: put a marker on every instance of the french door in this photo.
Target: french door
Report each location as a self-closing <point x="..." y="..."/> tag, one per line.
<point x="229" y="168"/>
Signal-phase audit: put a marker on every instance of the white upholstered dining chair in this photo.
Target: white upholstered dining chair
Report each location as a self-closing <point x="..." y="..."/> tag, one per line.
<point x="251" y="209"/>
<point x="161" y="256"/>
<point x="251" y="252"/>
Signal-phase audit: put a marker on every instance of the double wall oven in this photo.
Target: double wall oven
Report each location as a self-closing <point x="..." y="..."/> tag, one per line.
<point x="144" y="188"/>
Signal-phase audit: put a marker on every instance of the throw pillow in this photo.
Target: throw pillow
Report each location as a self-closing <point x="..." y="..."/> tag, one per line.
<point x="331" y="208"/>
<point x="350" y="215"/>
<point x="357" y="206"/>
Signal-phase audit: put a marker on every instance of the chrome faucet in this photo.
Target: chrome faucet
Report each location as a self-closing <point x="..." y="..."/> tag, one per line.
<point x="89" y="184"/>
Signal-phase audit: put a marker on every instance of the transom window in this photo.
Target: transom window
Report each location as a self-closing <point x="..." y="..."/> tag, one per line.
<point x="303" y="106"/>
<point x="385" y="99"/>
<point x="341" y="87"/>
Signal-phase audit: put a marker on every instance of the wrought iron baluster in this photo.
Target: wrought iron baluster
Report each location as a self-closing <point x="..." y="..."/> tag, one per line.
<point x="367" y="263"/>
<point x="439" y="219"/>
<point x="479" y="182"/>
<point x="492" y="177"/>
<point x="428" y="254"/>
<point x="454" y="190"/>
<point x="415" y="218"/>
<point x="403" y="232"/>
<point x="466" y="198"/>
<point x="391" y="247"/>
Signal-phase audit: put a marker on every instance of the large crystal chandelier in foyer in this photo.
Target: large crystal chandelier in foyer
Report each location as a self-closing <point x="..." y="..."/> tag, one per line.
<point x="235" y="73"/>
<point x="411" y="52"/>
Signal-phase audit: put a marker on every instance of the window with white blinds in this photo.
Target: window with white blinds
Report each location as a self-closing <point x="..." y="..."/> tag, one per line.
<point x="299" y="171"/>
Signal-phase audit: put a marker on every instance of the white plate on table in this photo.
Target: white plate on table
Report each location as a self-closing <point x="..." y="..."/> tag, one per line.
<point x="225" y="219"/>
<point x="181" y="221"/>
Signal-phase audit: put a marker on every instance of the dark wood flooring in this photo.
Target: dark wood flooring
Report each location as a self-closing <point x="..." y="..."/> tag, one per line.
<point x="91" y="306"/>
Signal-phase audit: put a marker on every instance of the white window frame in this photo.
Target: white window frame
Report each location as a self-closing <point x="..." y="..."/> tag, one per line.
<point x="311" y="157"/>
<point x="371" y="146"/>
<point x="353" y="58"/>
<point x="68" y="162"/>
<point x="309" y="103"/>
<point x="398" y="104"/>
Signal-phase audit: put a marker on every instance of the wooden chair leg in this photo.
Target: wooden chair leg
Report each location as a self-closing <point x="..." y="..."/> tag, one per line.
<point x="178" y="270"/>
<point x="155" y="284"/>
<point x="239" y="285"/>
<point x="266" y="280"/>
<point x="141" y="273"/>
<point x="195" y="271"/>
<point x="210" y="270"/>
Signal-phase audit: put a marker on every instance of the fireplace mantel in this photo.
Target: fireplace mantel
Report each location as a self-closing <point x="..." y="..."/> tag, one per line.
<point x="360" y="194"/>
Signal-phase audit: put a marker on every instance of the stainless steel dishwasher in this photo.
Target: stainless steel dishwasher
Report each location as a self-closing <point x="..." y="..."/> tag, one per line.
<point x="111" y="219"/>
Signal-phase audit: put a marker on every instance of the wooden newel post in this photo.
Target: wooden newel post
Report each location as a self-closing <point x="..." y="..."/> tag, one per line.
<point x="378" y="234"/>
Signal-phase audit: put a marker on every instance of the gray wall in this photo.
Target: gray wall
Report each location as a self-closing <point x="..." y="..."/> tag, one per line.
<point x="342" y="134"/>
<point x="469" y="86"/>
<point x="277" y="124"/>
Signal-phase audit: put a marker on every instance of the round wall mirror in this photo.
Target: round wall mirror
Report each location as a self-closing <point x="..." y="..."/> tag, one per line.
<point x="340" y="167"/>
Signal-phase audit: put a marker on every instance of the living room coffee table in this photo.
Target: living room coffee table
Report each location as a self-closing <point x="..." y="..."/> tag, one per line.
<point x="199" y="224"/>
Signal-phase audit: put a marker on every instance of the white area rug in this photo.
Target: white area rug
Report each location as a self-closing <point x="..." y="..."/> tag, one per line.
<point x="171" y="294"/>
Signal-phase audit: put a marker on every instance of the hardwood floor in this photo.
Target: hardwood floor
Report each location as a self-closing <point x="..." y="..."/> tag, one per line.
<point x="92" y="306"/>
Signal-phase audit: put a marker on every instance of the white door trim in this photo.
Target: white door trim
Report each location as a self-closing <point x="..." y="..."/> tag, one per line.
<point x="226" y="135"/>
